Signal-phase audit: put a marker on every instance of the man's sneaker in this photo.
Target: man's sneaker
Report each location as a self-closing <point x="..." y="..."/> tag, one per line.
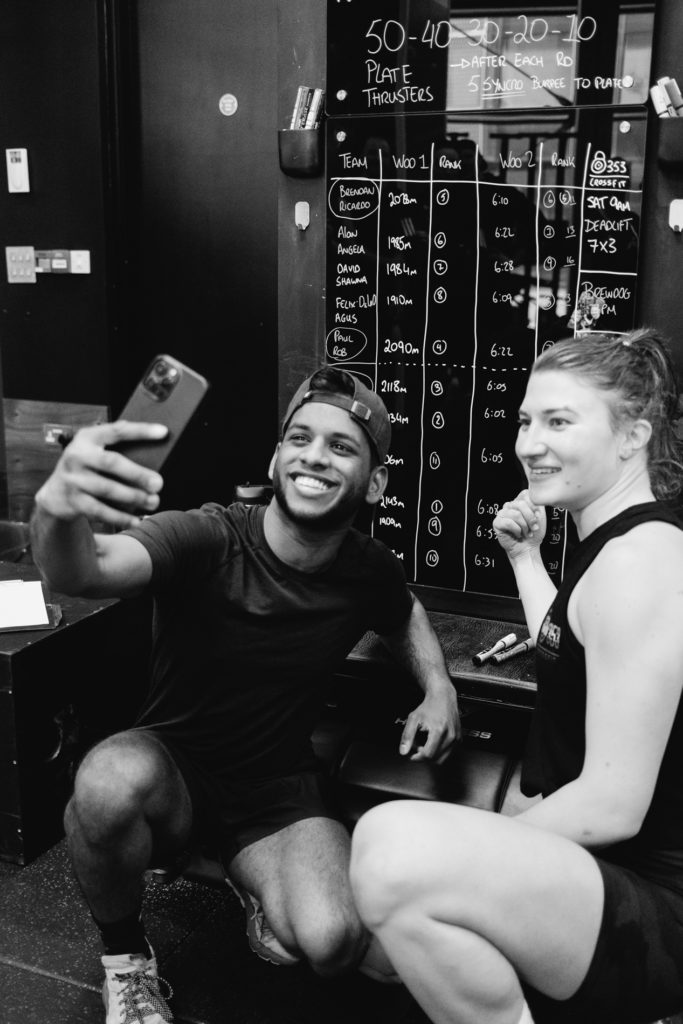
<point x="132" y="991"/>
<point x="261" y="937"/>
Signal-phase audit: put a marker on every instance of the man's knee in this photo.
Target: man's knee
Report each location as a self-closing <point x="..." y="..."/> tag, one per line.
<point x="333" y="942"/>
<point x="113" y="785"/>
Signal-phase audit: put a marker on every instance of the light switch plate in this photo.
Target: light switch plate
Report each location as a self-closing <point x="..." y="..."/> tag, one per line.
<point x="80" y="261"/>
<point x="17" y="170"/>
<point x="21" y="264"/>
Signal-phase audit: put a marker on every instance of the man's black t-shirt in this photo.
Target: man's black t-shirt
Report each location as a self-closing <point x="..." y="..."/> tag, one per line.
<point x="244" y="646"/>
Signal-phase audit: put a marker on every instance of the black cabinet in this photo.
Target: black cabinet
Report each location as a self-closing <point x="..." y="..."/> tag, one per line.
<point x="61" y="690"/>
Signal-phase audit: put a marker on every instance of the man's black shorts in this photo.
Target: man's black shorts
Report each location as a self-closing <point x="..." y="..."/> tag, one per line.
<point x="636" y="974"/>
<point x="227" y="818"/>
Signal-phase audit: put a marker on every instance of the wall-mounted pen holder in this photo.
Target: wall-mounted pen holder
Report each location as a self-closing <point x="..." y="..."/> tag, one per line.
<point x="670" y="142"/>
<point x="300" y="151"/>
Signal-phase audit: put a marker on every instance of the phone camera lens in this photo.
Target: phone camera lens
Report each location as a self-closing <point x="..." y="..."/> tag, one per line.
<point x="162" y="379"/>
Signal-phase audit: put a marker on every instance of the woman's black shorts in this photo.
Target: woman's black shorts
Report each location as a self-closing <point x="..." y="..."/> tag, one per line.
<point x="636" y="974"/>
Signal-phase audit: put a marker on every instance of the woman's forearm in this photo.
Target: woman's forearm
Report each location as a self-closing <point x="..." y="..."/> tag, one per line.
<point x="581" y="812"/>
<point x="536" y="589"/>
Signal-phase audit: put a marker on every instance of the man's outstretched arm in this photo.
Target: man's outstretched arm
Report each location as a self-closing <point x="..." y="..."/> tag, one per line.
<point x="91" y="483"/>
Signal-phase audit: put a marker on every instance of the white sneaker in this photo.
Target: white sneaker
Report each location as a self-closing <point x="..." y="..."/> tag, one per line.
<point x="132" y="991"/>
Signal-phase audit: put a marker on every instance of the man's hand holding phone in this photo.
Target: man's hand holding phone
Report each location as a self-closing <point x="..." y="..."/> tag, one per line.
<point x="110" y="473"/>
<point x="169" y="392"/>
<point x="94" y="481"/>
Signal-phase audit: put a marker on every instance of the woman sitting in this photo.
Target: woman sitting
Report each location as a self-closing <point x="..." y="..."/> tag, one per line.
<point x="573" y="909"/>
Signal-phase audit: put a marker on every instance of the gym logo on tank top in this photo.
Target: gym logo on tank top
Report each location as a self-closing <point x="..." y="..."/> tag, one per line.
<point x="549" y="637"/>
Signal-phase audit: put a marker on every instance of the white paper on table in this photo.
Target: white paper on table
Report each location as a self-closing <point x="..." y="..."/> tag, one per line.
<point x="22" y="604"/>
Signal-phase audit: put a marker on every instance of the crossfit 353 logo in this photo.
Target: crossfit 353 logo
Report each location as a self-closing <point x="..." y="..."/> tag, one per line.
<point x="550" y="634"/>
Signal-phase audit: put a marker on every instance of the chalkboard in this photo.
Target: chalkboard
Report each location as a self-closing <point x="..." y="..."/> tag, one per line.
<point x="394" y="56"/>
<point x="456" y="250"/>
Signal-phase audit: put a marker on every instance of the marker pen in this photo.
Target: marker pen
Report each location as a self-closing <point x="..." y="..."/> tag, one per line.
<point x="674" y="94"/>
<point x="525" y="645"/>
<point x="500" y="645"/>
<point x="661" y="100"/>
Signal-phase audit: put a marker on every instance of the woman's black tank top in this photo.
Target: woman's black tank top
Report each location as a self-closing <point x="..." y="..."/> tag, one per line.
<point x="556" y="746"/>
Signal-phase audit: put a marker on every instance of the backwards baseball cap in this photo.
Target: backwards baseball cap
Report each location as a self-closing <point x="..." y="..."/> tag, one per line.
<point x="363" y="405"/>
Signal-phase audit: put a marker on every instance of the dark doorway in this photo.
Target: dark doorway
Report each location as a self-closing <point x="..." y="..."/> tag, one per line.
<point x="194" y="115"/>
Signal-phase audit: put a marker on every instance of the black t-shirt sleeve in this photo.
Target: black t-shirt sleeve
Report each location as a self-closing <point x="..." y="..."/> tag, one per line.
<point x="392" y="601"/>
<point x="183" y="546"/>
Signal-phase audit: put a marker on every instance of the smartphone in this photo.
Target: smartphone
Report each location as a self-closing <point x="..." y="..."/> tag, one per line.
<point x="168" y="393"/>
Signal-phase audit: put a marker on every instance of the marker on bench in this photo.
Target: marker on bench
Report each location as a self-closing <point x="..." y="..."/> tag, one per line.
<point x="500" y="645"/>
<point x="526" y="645"/>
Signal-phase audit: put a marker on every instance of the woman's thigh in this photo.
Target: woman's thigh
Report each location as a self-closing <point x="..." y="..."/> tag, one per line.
<point x="537" y="897"/>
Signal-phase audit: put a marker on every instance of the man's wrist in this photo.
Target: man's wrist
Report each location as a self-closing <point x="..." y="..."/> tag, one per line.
<point x="53" y="506"/>
<point x="439" y="685"/>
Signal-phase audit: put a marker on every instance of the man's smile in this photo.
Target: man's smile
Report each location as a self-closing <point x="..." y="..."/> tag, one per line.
<point x="311" y="484"/>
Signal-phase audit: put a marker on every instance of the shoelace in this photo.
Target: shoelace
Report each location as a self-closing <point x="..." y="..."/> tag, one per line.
<point x="255" y="908"/>
<point x="140" y="988"/>
<point x="264" y="932"/>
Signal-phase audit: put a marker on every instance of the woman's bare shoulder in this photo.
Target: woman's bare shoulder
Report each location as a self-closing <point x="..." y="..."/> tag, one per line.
<point x="645" y="563"/>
